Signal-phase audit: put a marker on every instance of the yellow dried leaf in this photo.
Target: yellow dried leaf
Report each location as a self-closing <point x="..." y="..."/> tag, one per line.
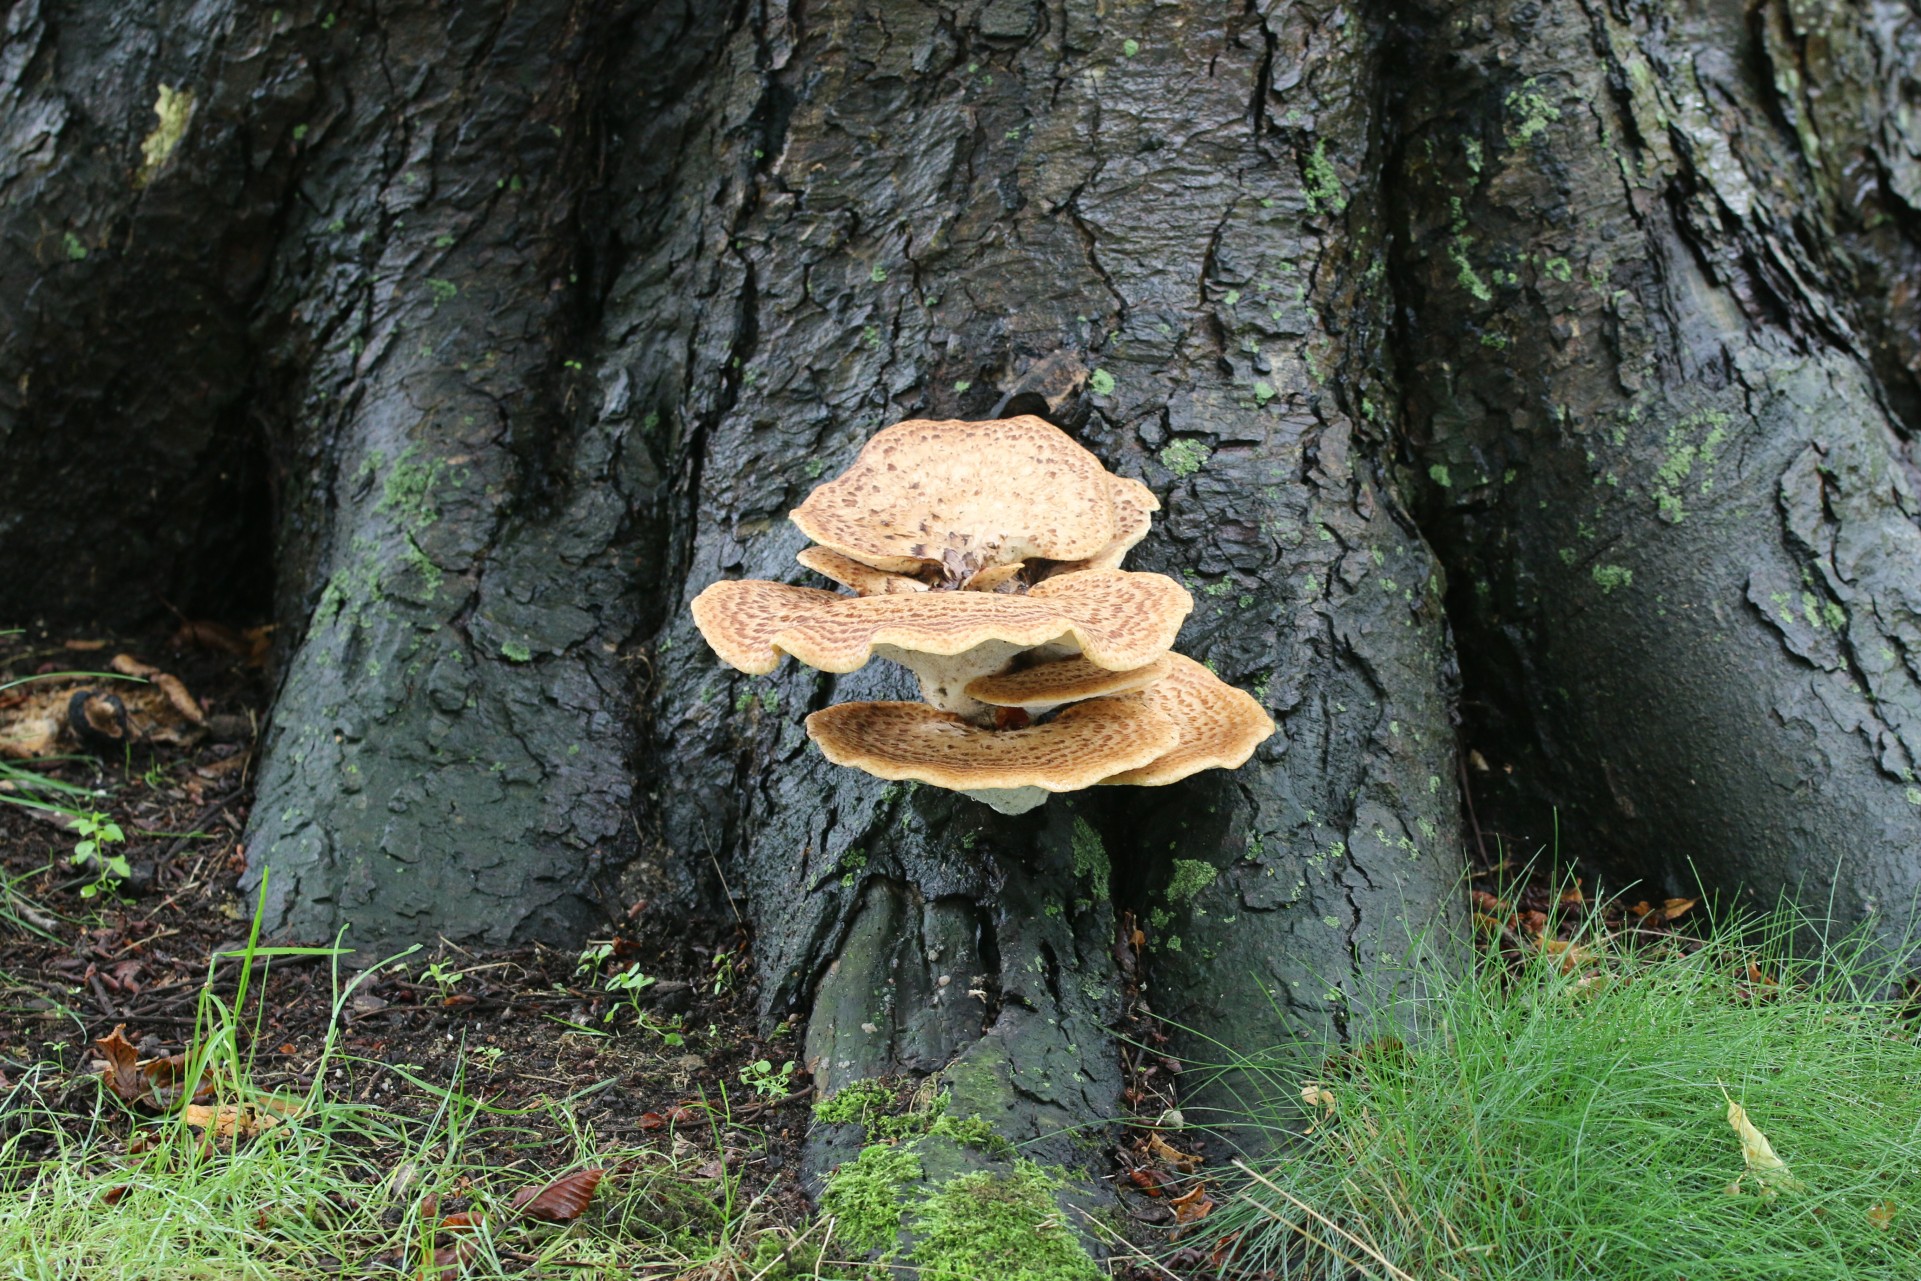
<point x="1161" y="1150"/>
<point x="1676" y="908"/>
<point x="1317" y="1095"/>
<point x="1758" y="1154"/>
<point x="244" y="1120"/>
<point x="1881" y="1214"/>
<point x="1573" y="955"/>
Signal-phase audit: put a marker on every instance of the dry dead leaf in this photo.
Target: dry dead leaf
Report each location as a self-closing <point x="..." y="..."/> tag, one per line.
<point x="1676" y="908"/>
<point x="1162" y="1150"/>
<point x="1572" y="896"/>
<point x="240" y="1120"/>
<point x="1573" y="955"/>
<point x="1769" y="1170"/>
<point x="119" y="1067"/>
<point x="1191" y="1206"/>
<point x="560" y="1201"/>
<point x="1881" y="1214"/>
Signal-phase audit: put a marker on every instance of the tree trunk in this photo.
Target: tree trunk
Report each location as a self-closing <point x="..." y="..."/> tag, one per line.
<point x="1142" y="222"/>
<point x="1661" y="357"/>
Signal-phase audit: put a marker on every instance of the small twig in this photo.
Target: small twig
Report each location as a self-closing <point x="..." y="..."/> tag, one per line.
<point x="107" y="1006"/>
<point x="1398" y="1273"/>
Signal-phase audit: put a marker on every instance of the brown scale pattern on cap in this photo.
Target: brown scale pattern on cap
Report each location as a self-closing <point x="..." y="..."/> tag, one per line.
<point x="1066" y="681"/>
<point x="1134" y="508"/>
<point x="741" y="617"/>
<point x="1119" y="620"/>
<point x="1220" y="726"/>
<point x="933" y="491"/>
<point x="865" y="580"/>
<point x="1087" y="742"/>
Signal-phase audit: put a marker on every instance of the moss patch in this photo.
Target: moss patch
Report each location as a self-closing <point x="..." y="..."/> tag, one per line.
<point x="1185" y="457"/>
<point x="1005" y="1226"/>
<point x="173" y="107"/>
<point x="1090" y="858"/>
<point x="864" y="1197"/>
<point x="1190" y="876"/>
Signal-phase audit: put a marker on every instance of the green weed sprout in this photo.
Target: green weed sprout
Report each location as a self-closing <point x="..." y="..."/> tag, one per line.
<point x="766" y="1080"/>
<point x="96" y="832"/>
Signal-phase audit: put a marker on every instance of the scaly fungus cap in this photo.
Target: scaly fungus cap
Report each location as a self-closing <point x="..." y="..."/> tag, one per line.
<point x="1013" y="770"/>
<point x="863" y="580"/>
<point x="1220" y="726"/>
<point x="962" y="497"/>
<point x="1134" y="508"/>
<point x="1045" y="686"/>
<point x="1119" y="620"/>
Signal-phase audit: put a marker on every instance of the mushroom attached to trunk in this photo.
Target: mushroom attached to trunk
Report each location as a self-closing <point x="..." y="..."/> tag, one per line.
<point x="1220" y="726"/>
<point x="985" y="557"/>
<point x="960" y="497"/>
<point x="1012" y="770"/>
<point x="1118" y="620"/>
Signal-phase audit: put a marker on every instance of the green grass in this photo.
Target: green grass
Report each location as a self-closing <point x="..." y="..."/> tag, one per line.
<point x="1564" y="1125"/>
<point x="89" y="1189"/>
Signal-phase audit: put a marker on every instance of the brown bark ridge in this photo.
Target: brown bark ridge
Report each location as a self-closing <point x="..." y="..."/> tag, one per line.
<point x="1660" y="355"/>
<point x="1152" y="225"/>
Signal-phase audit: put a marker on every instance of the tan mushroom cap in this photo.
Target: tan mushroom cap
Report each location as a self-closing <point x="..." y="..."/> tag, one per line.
<point x="739" y="618"/>
<point x="1220" y="726"/>
<point x="865" y="580"/>
<point x="1083" y="745"/>
<point x="1119" y="620"/>
<point x="1134" y="508"/>
<point x="1067" y="681"/>
<point x="992" y="578"/>
<point x="942" y="491"/>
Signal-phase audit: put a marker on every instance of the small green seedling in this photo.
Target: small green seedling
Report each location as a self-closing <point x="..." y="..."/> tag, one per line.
<point x="767" y="1082"/>
<point x="725" y="972"/>
<point x="591" y="958"/>
<point x="629" y="983"/>
<point x="444" y="977"/>
<point x="96" y="831"/>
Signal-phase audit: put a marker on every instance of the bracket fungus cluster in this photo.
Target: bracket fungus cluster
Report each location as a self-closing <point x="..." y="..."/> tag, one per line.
<point x="985" y="558"/>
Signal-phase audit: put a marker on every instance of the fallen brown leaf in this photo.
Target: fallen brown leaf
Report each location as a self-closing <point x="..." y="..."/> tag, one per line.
<point x="560" y="1201"/>
<point x="1152" y="1182"/>
<point x="120" y="1068"/>
<point x="1192" y="1206"/>
<point x="1676" y="908"/>
<point x="1769" y="1170"/>
<point x="240" y="1120"/>
<point x="448" y="1259"/>
<point x="1881" y="1214"/>
<point x="1162" y="1150"/>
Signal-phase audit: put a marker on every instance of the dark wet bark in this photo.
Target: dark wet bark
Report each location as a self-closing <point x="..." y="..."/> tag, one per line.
<point x="1657" y="267"/>
<point x="1152" y="225"/>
